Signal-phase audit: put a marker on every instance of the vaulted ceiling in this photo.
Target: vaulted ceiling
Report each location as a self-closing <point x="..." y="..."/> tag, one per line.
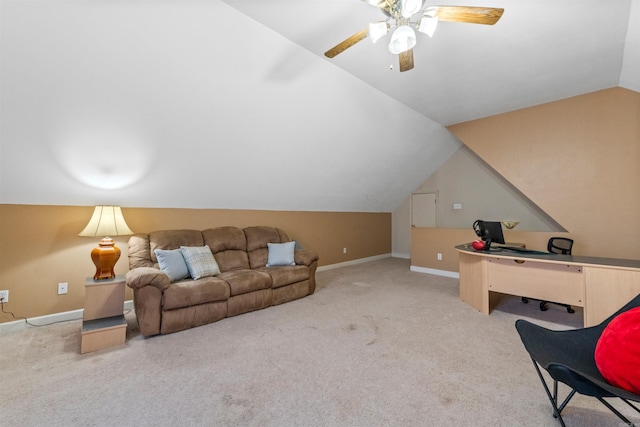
<point x="539" y="51"/>
<point x="232" y="104"/>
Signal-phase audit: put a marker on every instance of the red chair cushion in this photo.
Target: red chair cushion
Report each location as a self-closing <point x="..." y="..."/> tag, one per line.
<point x="617" y="352"/>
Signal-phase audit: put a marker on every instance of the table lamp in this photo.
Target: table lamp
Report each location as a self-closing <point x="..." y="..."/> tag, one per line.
<point x="106" y="221"/>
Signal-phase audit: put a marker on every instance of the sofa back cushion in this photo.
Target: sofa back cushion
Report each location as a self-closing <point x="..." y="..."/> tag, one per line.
<point x="172" y="239"/>
<point x="257" y="240"/>
<point x="139" y="252"/>
<point x="233" y="248"/>
<point x="229" y="247"/>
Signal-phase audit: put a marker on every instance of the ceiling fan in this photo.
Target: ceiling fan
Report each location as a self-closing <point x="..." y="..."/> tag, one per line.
<point x="404" y="16"/>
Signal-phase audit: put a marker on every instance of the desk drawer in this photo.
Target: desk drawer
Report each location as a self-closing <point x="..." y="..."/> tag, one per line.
<point x="550" y="282"/>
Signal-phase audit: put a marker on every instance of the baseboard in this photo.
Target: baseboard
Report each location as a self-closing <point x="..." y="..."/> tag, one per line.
<point x="435" y="272"/>
<point x="403" y="256"/>
<point x="128" y="305"/>
<point x="353" y="262"/>
<point x="49" y="319"/>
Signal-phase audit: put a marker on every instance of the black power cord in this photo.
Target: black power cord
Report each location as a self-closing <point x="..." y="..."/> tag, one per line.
<point x="14" y="316"/>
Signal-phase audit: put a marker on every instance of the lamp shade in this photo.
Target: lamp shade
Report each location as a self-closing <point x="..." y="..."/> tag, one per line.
<point x="106" y="221"/>
<point x="402" y="39"/>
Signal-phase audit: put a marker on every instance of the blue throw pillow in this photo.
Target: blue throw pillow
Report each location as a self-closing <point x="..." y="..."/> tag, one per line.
<point x="281" y="254"/>
<point x="172" y="263"/>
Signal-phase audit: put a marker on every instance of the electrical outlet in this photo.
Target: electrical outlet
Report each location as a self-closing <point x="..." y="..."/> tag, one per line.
<point x="439" y="257"/>
<point x="344" y="250"/>
<point x="4" y="296"/>
<point x="62" y="288"/>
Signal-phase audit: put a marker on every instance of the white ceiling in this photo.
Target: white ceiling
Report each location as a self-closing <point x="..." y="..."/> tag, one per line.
<point x="539" y="51"/>
<point x="232" y="104"/>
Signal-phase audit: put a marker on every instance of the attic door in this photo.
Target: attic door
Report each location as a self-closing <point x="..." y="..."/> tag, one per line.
<point x="423" y="210"/>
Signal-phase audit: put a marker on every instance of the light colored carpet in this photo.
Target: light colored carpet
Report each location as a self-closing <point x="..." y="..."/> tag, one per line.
<point x="376" y="345"/>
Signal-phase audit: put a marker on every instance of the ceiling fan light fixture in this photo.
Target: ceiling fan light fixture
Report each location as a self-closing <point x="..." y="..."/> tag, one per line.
<point x="409" y="7"/>
<point x="402" y="39"/>
<point x="378" y="30"/>
<point x="428" y="25"/>
<point x="431" y="11"/>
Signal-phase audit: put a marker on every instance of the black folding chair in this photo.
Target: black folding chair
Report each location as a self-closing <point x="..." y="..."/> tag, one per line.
<point x="568" y="357"/>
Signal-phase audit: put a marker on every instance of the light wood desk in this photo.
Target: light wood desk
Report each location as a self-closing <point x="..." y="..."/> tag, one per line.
<point x="600" y="285"/>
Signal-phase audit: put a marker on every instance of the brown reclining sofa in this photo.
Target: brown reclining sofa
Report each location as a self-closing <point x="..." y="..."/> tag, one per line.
<point x="244" y="283"/>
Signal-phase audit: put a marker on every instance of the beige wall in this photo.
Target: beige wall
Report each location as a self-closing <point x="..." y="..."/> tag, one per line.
<point x="578" y="159"/>
<point x="426" y="243"/>
<point x="39" y="246"/>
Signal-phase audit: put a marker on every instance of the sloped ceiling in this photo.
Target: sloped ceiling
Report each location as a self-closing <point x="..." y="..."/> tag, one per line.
<point x="539" y="51"/>
<point x="199" y="104"/>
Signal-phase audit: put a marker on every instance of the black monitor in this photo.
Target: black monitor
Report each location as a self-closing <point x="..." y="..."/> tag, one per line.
<point x="489" y="232"/>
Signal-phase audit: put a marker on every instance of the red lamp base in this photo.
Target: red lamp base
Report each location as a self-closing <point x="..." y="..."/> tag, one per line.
<point x="105" y="257"/>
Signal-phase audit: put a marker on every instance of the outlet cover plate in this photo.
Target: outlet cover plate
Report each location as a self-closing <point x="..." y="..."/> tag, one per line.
<point x="62" y="288"/>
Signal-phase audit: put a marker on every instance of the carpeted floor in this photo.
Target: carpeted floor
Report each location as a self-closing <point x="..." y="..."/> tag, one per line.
<point x="376" y="345"/>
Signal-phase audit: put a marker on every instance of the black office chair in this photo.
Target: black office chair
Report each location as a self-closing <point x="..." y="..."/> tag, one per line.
<point x="556" y="245"/>
<point x="560" y="245"/>
<point x="568" y="357"/>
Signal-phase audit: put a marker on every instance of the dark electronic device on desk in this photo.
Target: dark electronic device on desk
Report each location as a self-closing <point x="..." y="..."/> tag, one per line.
<point x="490" y="232"/>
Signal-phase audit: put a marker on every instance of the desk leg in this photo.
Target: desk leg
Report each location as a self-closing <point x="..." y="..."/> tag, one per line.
<point x="606" y="291"/>
<point x="474" y="288"/>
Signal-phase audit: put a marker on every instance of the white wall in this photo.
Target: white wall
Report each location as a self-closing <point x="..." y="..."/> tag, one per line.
<point x="401" y="230"/>
<point x="630" y="74"/>
<point x="192" y="104"/>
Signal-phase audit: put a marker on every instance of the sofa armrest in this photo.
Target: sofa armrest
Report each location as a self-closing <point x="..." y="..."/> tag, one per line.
<point x="305" y="256"/>
<point x="144" y="276"/>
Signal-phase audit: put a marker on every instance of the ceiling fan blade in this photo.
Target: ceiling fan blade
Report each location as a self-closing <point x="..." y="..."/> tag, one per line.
<point x="469" y="14"/>
<point x="406" y="60"/>
<point x="347" y="43"/>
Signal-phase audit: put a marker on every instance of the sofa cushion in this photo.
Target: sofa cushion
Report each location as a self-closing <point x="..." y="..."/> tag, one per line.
<point x="257" y="240"/>
<point x="229" y="247"/>
<point x="139" y="251"/>
<point x="244" y="281"/>
<point x="172" y="263"/>
<point x="283" y="276"/>
<point x="173" y="239"/>
<point x="194" y="292"/>
<point x="200" y="261"/>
